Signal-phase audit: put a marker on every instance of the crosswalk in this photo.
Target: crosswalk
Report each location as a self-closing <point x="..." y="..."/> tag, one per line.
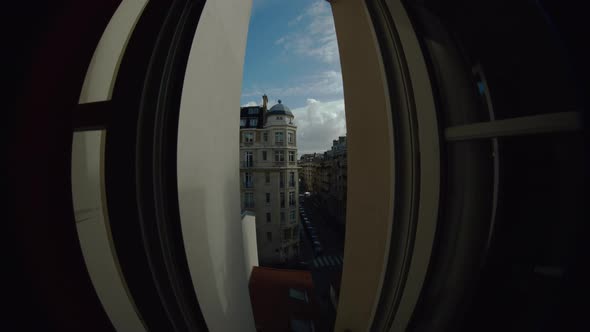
<point x="327" y="261"/>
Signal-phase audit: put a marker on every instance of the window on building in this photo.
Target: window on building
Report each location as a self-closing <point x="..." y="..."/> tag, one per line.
<point x="292" y="215"/>
<point x="291" y="156"/>
<point x="279" y="156"/>
<point x="254" y="122"/>
<point x="267" y="197"/>
<point x="242" y="122"/>
<point x="253" y="110"/>
<point x="282" y="214"/>
<point x="249" y="200"/>
<point x="248" y="180"/>
<point x="282" y="179"/>
<point x="282" y="200"/>
<point x="279" y="138"/>
<point x="269" y="236"/>
<point x="298" y="294"/>
<point x="264" y="155"/>
<point x="248" y="137"/>
<point x="290" y="138"/>
<point x="248" y="159"/>
<point x="268" y="217"/>
<point x="292" y="179"/>
<point x="286" y="234"/>
<point x="292" y="198"/>
<point x="267" y="177"/>
<point x="265" y="136"/>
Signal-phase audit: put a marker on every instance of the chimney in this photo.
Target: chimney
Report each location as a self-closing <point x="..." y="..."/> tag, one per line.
<point x="264" y="109"/>
<point x="264" y="103"/>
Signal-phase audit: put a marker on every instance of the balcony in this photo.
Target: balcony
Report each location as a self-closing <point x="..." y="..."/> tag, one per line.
<point x="279" y="163"/>
<point x="280" y="143"/>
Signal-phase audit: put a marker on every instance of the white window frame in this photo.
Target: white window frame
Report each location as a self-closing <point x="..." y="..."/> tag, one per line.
<point x="280" y="155"/>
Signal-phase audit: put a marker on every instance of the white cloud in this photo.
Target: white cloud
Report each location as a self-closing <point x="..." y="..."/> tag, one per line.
<point x="317" y="36"/>
<point x="324" y="84"/>
<point x="250" y="103"/>
<point x="318" y="123"/>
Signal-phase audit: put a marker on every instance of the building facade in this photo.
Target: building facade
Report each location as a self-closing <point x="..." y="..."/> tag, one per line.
<point x="325" y="176"/>
<point x="269" y="179"/>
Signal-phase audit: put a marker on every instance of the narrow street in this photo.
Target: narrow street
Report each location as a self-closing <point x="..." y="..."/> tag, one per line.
<point x="326" y="266"/>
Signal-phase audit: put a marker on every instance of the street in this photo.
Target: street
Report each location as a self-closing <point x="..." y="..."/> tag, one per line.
<point x="326" y="266"/>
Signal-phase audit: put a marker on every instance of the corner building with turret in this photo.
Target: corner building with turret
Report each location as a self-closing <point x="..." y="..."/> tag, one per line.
<point x="269" y="179"/>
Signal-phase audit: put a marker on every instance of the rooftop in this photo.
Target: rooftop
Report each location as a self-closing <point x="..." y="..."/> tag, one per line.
<point x="280" y="108"/>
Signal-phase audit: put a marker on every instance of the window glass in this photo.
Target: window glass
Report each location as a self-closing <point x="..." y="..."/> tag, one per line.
<point x="253" y="122"/>
<point x="248" y="137"/>
<point x="268" y="217"/>
<point x="297" y="294"/>
<point x="263" y="155"/>
<point x="268" y="197"/>
<point x="242" y="122"/>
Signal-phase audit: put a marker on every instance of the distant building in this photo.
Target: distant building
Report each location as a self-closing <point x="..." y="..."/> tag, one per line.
<point x="269" y="178"/>
<point x="308" y="164"/>
<point x="283" y="300"/>
<point x="325" y="175"/>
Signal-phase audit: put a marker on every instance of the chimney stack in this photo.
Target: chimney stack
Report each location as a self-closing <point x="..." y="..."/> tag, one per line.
<point x="264" y="108"/>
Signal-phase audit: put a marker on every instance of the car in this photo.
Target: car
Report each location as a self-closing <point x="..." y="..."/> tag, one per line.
<point x="317" y="249"/>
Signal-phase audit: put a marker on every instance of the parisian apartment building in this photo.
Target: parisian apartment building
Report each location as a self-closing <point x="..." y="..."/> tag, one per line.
<point x="324" y="175"/>
<point x="269" y="179"/>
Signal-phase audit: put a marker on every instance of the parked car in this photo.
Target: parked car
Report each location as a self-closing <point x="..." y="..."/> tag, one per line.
<point x="317" y="248"/>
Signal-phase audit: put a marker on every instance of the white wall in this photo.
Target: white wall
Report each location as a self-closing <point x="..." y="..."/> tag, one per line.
<point x="250" y="245"/>
<point x="208" y="173"/>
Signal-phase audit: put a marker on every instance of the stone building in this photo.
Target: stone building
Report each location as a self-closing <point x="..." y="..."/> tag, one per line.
<point x="269" y="178"/>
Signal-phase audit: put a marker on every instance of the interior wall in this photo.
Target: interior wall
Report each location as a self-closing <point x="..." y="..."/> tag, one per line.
<point x="208" y="166"/>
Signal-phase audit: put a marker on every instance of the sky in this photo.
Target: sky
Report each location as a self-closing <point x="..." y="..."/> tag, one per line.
<point x="292" y="55"/>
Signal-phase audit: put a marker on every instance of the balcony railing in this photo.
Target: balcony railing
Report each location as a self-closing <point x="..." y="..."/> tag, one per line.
<point x="247" y="163"/>
<point x="281" y="143"/>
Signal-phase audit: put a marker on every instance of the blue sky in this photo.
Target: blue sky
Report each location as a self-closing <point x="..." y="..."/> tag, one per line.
<point x="292" y="55"/>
